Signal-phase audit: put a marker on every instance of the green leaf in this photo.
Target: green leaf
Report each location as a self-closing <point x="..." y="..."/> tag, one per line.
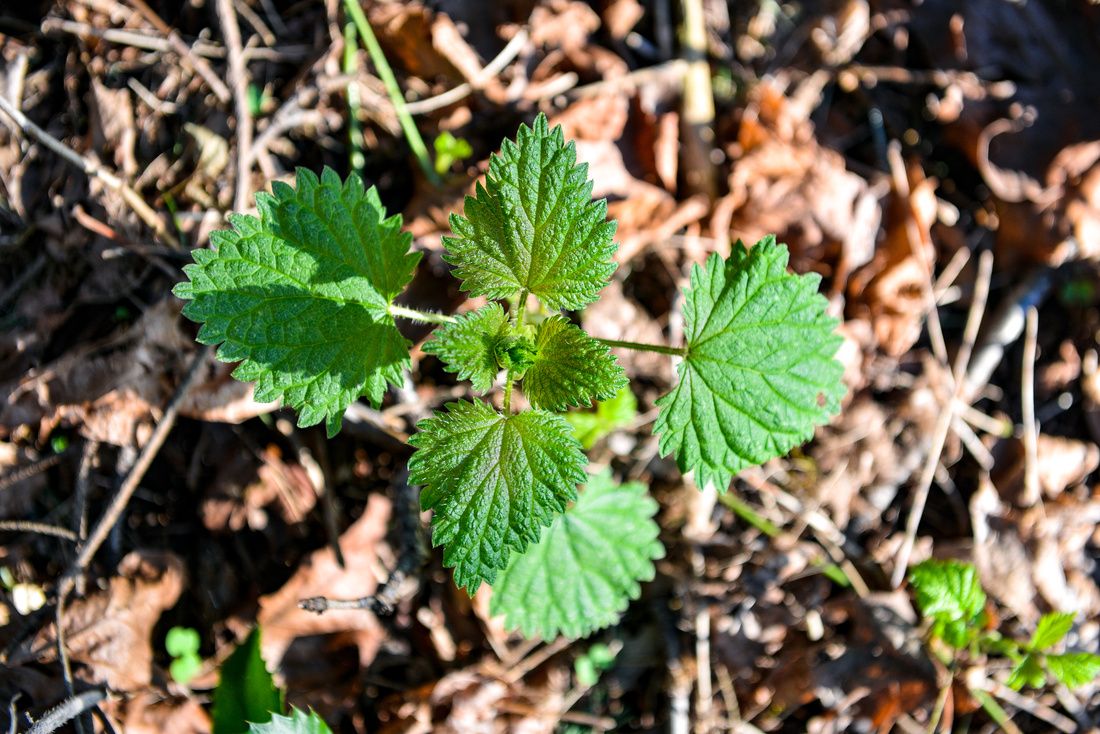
<point x="185" y="667"/>
<point x="246" y="692"/>
<point x="1027" y="672"/>
<point x="610" y="415"/>
<point x="449" y="149"/>
<point x="300" y="296"/>
<point x="587" y="567"/>
<point x="181" y="641"/>
<point x="950" y="593"/>
<point x="533" y="225"/>
<point x="1074" y="669"/>
<point x="1050" y="630"/>
<point x="759" y="372"/>
<point x="570" y="368"/>
<point x="468" y="346"/>
<point x="494" y="481"/>
<point x="298" y="722"/>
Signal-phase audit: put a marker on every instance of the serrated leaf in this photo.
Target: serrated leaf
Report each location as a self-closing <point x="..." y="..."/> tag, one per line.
<point x="586" y="567"/>
<point x="570" y="368"/>
<point x="494" y="481"/>
<point x="609" y="415"/>
<point x="950" y="593"/>
<point x="1051" y="629"/>
<point x="468" y="346"/>
<point x="300" y="296"/>
<point x="246" y="692"/>
<point x="533" y="225"/>
<point x="758" y="374"/>
<point x="1074" y="669"/>
<point x="298" y="722"/>
<point x="1026" y="672"/>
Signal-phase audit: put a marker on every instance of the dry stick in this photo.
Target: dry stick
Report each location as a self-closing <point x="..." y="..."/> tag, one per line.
<point x="238" y="74"/>
<point x="63" y="658"/>
<point x="1027" y="397"/>
<point x="91" y="168"/>
<point x="404" y="578"/>
<point x="39" y="528"/>
<point x="26" y="472"/>
<point x="698" y="133"/>
<point x="493" y="68"/>
<point x="137" y="472"/>
<point x="187" y="55"/>
<point x="67" y="710"/>
<point x="943" y="425"/>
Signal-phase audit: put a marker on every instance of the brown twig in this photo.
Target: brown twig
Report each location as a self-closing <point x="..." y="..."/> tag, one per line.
<point x="67" y="710"/>
<point x="91" y="168"/>
<point x="187" y="56"/>
<point x="947" y="414"/>
<point x="26" y="472"/>
<point x="492" y="69"/>
<point x="238" y="75"/>
<point x="404" y="579"/>
<point x="1027" y="399"/>
<point x="39" y="528"/>
<point x="137" y="472"/>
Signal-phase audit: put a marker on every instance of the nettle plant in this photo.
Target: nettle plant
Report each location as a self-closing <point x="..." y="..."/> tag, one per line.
<point x="303" y="297"/>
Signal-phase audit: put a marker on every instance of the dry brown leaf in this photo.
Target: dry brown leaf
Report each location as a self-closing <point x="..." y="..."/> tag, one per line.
<point x="282" y="620"/>
<point x="783" y="182"/>
<point x="110" y="631"/>
<point x="114" y="391"/>
<point x="150" y="712"/>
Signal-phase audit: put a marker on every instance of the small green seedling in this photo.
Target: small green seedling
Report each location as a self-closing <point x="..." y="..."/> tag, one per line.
<point x="182" y="643"/>
<point x="950" y="595"/>
<point x="589" y="666"/>
<point x="247" y="701"/>
<point x="304" y="298"/>
<point x="589" y="426"/>
<point x="449" y="150"/>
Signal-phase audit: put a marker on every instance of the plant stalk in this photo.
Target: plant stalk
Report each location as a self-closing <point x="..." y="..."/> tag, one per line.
<point x="640" y="347"/>
<point x="422" y="317"/>
<point x="412" y="134"/>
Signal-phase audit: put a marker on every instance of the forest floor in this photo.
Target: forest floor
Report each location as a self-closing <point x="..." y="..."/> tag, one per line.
<point x="937" y="163"/>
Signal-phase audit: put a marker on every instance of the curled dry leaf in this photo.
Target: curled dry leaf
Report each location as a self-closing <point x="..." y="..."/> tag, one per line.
<point x="114" y="392"/>
<point x="363" y="546"/>
<point x="782" y="181"/>
<point x="110" y="631"/>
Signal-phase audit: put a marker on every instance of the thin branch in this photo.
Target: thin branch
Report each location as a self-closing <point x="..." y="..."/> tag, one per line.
<point x="91" y="168"/>
<point x="404" y="580"/>
<point x="187" y="56"/>
<point x="493" y="68"/>
<point x="26" y="472"/>
<point x="238" y="75"/>
<point x="68" y="710"/>
<point x="1027" y="398"/>
<point x="39" y="528"/>
<point x="947" y="414"/>
<point x="137" y="472"/>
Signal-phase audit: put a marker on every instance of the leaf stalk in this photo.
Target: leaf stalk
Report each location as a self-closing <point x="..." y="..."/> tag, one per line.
<point x="640" y="347"/>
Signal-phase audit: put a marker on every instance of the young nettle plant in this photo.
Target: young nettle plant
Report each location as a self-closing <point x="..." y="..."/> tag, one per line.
<point x="950" y="596"/>
<point x="304" y="298"/>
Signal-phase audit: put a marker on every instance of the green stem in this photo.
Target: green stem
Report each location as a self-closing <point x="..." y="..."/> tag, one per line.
<point x="521" y="309"/>
<point x="392" y="89"/>
<point x="423" y="317"/>
<point x="508" y="393"/>
<point x="640" y="347"/>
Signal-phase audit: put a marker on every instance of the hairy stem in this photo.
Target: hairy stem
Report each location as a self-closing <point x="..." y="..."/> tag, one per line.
<point x="640" y="347"/>
<point x="423" y="317"/>
<point x="508" y="393"/>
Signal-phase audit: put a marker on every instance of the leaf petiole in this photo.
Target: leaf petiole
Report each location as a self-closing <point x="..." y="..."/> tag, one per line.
<point x="423" y="317"/>
<point x="640" y="347"/>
